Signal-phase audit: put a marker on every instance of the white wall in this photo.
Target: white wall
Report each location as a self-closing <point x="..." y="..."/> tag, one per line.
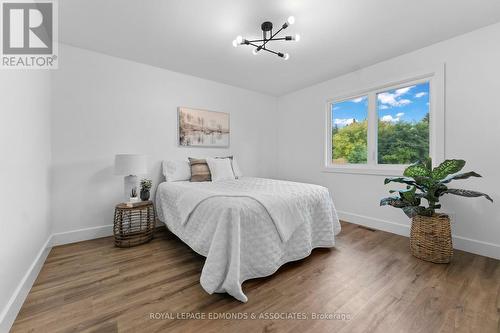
<point x="105" y="105"/>
<point x="472" y="133"/>
<point x="25" y="151"/>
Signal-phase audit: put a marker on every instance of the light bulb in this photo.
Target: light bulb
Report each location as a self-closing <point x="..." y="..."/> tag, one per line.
<point x="239" y="39"/>
<point x="297" y="37"/>
<point x="286" y="56"/>
<point x="254" y="51"/>
<point x="291" y="20"/>
<point x="235" y="43"/>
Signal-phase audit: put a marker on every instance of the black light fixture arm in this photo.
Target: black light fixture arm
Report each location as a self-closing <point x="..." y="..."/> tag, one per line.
<point x="267" y="30"/>
<point x="262" y="40"/>
<point x="266" y="49"/>
<point x="270" y="38"/>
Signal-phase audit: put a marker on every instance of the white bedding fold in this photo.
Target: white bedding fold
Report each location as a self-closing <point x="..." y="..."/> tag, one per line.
<point x="286" y="205"/>
<point x="233" y="224"/>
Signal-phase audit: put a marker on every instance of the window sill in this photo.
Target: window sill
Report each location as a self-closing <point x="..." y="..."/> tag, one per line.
<point x="391" y="171"/>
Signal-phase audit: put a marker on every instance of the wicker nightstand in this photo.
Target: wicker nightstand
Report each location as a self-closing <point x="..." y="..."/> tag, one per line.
<point x="134" y="225"/>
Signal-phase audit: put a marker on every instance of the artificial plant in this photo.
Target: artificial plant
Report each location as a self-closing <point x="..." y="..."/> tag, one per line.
<point x="146" y="184"/>
<point x="424" y="182"/>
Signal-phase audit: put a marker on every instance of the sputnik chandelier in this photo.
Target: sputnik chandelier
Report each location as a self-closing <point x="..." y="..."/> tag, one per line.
<point x="268" y="36"/>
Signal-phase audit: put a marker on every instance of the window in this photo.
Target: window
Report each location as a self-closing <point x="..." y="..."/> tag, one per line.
<point x="384" y="129"/>
<point x="403" y="124"/>
<point x="349" y="131"/>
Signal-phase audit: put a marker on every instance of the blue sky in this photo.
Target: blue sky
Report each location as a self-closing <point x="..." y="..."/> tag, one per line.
<point x="409" y="104"/>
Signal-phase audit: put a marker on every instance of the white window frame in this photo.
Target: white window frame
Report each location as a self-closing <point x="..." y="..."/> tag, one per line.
<point x="435" y="77"/>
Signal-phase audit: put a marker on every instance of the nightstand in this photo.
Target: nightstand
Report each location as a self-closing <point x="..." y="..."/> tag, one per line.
<point x="135" y="224"/>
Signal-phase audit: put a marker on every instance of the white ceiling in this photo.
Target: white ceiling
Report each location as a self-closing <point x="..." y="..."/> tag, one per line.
<point x="338" y="36"/>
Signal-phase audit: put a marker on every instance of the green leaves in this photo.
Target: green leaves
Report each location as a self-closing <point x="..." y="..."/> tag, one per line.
<point x="402" y="142"/>
<point x="428" y="164"/>
<point x="430" y="184"/>
<point x="418" y="169"/>
<point x="393" y="201"/>
<point x="460" y="176"/>
<point x="408" y="201"/>
<point x="409" y="209"/>
<point x="426" y="182"/>
<point x="404" y="180"/>
<point x="446" y="168"/>
<point x="424" y="169"/>
<point x="409" y="196"/>
<point x="412" y="211"/>
<point x="146" y="184"/>
<point x="349" y="143"/>
<point x="467" y="193"/>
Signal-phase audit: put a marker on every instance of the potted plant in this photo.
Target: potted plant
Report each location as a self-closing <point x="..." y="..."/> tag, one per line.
<point x="146" y="185"/>
<point x="430" y="235"/>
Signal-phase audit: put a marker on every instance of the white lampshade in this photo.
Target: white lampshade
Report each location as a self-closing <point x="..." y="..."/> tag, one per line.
<point x="131" y="164"/>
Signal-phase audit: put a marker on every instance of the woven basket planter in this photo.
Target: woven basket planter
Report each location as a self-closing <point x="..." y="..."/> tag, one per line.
<point x="430" y="238"/>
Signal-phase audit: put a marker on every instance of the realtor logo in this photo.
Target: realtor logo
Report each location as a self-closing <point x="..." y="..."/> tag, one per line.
<point x="28" y="34"/>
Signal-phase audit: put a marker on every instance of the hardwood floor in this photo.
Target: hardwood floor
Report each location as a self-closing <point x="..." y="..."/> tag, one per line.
<point x="370" y="276"/>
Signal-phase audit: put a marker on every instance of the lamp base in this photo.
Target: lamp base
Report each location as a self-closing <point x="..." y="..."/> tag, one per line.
<point x="129" y="182"/>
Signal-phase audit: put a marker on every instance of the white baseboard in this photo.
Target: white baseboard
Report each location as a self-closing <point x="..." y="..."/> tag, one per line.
<point x="461" y="243"/>
<point x="79" y="235"/>
<point x="84" y="234"/>
<point x="476" y="246"/>
<point x="9" y="313"/>
<point x="12" y="308"/>
<point x="379" y="224"/>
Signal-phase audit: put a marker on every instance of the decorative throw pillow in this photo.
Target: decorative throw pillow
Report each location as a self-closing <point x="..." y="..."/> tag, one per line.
<point x="220" y="168"/>
<point x="176" y="170"/>
<point x="236" y="170"/>
<point x="199" y="170"/>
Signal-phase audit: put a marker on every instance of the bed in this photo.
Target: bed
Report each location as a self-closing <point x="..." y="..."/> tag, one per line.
<point x="248" y="227"/>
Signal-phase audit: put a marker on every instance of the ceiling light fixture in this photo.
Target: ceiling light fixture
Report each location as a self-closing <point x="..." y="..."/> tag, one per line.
<point x="268" y="36"/>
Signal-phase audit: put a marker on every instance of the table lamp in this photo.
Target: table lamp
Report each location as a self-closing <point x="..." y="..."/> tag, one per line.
<point x="130" y="165"/>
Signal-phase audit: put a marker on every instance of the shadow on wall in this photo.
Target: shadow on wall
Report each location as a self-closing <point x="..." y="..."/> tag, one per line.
<point x="84" y="193"/>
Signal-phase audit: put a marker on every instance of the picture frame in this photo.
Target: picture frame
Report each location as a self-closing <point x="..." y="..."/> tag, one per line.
<point x="202" y="128"/>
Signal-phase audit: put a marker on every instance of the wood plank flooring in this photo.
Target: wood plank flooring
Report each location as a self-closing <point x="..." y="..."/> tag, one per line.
<point x="369" y="277"/>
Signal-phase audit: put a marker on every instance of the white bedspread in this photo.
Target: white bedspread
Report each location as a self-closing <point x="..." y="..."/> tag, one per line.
<point x="247" y="228"/>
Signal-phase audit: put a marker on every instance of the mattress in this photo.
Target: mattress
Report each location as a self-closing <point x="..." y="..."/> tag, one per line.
<point x="236" y="224"/>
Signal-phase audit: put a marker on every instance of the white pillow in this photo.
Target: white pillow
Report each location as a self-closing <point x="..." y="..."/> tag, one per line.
<point x="236" y="169"/>
<point x="220" y="168"/>
<point x="176" y="170"/>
